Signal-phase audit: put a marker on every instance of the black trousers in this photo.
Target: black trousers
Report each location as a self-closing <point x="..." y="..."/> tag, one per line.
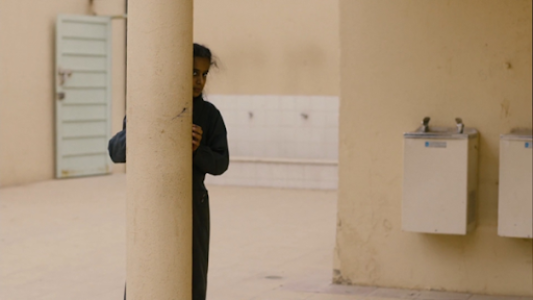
<point x="200" y="248"/>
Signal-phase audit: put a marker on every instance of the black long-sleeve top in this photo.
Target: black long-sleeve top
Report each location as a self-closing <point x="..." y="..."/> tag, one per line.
<point x="212" y="156"/>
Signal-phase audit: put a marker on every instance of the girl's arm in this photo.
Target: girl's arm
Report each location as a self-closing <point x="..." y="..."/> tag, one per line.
<point x="213" y="156"/>
<point x="117" y="146"/>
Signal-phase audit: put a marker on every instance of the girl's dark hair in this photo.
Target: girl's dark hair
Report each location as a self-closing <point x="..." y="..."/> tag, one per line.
<point x="203" y="51"/>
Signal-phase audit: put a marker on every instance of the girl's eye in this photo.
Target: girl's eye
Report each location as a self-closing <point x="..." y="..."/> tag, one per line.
<point x="205" y="74"/>
<point x="194" y="73"/>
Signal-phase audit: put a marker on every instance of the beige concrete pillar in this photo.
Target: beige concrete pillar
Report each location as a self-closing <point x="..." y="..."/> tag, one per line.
<point x="159" y="154"/>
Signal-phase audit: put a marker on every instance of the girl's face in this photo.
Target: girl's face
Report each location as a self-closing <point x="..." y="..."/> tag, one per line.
<point x="199" y="76"/>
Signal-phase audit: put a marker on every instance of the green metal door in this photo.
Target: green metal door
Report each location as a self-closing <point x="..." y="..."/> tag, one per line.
<point x="83" y="95"/>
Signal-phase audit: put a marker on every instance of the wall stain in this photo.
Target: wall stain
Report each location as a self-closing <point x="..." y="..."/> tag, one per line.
<point x="372" y="270"/>
<point x="180" y="114"/>
<point x="387" y="225"/>
<point x="339" y="279"/>
<point x="508" y="65"/>
<point x="505" y="106"/>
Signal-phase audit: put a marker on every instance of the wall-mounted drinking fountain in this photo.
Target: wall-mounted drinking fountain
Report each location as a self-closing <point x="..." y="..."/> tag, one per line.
<point x="440" y="179"/>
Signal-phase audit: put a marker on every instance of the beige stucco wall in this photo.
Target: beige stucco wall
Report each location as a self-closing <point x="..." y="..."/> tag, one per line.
<point x="27" y="41"/>
<point x="271" y="47"/>
<point x="402" y="60"/>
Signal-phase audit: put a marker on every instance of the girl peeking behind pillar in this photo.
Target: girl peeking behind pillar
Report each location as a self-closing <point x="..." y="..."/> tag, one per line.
<point x="210" y="155"/>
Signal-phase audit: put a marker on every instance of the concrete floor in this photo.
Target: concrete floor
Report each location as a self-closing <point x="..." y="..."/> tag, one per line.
<point x="65" y="239"/>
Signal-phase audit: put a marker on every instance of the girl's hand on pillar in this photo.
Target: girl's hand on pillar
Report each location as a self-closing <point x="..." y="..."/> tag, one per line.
<point x="196" y="136"/>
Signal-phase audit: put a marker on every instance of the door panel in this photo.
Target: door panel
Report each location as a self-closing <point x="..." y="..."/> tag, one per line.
<point x="86" y="96"/>
<point x="85" y="129"/>
<point x="84" y="63"/>
<point x="84" y="112"/>
<point x="83" y="95"/>
<point x="83" y="79"/>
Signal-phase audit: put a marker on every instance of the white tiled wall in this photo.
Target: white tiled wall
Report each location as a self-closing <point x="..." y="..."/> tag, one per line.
<point x="302" y="131"/>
